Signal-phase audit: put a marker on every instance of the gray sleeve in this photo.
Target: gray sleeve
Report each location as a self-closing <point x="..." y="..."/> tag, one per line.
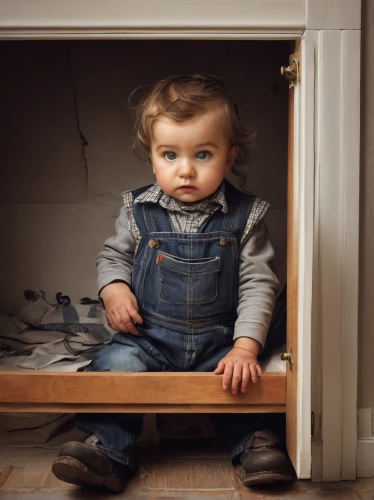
<point x="115" y="261"/>
<point x="258" y="286"/>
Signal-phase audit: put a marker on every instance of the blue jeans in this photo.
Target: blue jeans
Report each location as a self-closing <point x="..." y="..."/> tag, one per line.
<point x="167" y="351"/>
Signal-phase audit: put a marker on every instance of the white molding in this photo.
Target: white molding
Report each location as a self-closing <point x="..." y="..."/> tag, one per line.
<point x="328" y="256"/>
<point x="364" y="423"/>
<point x="147" y="35"/>
<point x="337" y="217"/>
<point x="350" y="215"/>
<point x="316" y="341"/>
<point x="122" y="18"/>
<point x="333" y="14"/>
<point x="365" y="443"/>
<point x="304" y="203"/>
<point x="365" y="457"/>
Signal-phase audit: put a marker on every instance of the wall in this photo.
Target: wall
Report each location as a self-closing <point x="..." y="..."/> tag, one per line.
<point x="366" y="310"/>
<point x="65" y="151"/>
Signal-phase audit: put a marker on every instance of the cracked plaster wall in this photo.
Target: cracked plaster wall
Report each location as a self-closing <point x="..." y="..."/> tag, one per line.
<point x="65" y="152"/>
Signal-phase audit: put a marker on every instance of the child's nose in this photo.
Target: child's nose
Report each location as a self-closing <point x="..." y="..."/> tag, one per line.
<point x="186" y="169"/>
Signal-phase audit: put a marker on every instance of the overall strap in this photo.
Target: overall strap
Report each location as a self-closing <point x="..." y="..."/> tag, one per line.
<point x="239" y="205"/>
<point x="150" y="217"/>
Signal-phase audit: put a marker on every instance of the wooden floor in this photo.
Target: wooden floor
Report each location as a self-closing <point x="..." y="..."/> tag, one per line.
<point x="190" y="469"/>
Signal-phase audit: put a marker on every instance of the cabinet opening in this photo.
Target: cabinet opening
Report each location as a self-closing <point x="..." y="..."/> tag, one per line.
<point x="65" y="159"/>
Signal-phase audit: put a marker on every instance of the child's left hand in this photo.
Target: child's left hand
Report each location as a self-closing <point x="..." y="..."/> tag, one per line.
<point x="239" y="366"/>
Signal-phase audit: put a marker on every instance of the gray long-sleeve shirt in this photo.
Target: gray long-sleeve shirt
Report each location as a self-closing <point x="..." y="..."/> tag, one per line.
<point x="258" y="284"/>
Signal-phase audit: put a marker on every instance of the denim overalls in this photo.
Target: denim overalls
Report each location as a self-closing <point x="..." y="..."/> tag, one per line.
<point x="186" y="285"/>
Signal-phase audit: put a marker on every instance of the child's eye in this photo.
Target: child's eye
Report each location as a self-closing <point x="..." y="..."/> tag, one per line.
<point x="170" y="155"/>
<point x="203" y="155"/>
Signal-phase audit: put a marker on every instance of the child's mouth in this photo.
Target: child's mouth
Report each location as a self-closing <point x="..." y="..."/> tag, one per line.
<point x="187" y="188"/>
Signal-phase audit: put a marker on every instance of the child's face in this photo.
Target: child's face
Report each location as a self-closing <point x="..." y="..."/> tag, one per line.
<point x="191" y="158"/>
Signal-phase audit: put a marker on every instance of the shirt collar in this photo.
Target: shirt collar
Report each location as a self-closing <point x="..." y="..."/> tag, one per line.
<point x="214" y="202"/>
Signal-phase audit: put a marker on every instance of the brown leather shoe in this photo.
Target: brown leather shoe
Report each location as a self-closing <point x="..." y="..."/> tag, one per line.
<point x="265" y="461"/>
<point x="86" y="465"/>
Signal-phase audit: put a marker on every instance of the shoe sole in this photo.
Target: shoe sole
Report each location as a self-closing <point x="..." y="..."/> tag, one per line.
<point x="71" y="470"/>
<point x="267" y="478"/>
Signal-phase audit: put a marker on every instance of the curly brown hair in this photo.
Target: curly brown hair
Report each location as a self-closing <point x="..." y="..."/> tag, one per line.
<point x="182" y="97"/>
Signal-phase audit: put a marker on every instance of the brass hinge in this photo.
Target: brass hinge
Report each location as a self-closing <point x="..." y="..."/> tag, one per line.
<point x="291" y="72"/>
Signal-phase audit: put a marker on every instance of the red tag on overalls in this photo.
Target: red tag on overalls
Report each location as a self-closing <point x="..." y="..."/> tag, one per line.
<point x="159" y="258"/>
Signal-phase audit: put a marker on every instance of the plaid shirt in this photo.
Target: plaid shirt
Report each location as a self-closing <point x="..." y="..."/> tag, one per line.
<point x="188" y="218"/>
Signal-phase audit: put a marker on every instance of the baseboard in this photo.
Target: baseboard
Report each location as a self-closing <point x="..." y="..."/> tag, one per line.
<point x="365" y="443"/>
<point x="365" y="457"/>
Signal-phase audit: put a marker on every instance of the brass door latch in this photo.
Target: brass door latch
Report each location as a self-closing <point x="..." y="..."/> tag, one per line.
<point x="288" y="356"/>
<point x="291" y="73"/>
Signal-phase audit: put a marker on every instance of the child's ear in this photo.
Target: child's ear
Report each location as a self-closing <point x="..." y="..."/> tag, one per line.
<point x="231" y="157"/>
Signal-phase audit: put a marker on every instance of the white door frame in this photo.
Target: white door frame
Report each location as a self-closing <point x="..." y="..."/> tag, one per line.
<point x="328" y="310"/>
<point x="336" y="246"/>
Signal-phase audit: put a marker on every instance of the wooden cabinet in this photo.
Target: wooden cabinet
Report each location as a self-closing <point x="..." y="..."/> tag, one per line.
<point x="323" y="214"/>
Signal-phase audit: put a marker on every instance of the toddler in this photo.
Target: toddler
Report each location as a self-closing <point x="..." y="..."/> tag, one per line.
<point x="187" y="282"/>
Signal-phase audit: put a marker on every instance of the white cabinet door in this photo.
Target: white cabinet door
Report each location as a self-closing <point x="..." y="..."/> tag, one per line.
<point x="299" y="259"/>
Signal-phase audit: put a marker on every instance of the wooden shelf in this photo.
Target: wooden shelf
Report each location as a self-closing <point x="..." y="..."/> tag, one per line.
<point x="136" y="392"/>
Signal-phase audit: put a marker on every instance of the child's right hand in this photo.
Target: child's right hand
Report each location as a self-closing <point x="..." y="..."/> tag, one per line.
<point x="122" y="310"/>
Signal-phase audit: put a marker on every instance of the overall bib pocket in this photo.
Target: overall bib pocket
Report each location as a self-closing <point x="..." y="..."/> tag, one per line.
<point x="187" y="281"/>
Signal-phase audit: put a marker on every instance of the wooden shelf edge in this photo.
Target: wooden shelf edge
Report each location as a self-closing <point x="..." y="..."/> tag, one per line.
<point x="137" y="408"/>
<point x="129" y="389"/>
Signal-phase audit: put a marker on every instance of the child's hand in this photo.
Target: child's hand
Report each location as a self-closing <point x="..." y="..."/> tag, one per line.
<point x="239" y="366"/>
<point x="122" y="310"/>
